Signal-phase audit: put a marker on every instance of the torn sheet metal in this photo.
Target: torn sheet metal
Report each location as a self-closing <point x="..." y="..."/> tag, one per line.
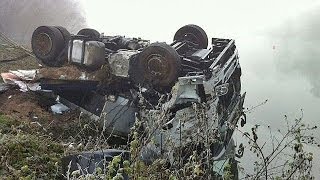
<point x="118" y="116"/>
<point x="27" y="75"/>
<point x="20" y="80"/>
<point x="22" y="75"/>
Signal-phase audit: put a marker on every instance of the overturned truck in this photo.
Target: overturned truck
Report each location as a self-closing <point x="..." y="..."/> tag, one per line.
<point x="186" y="95"/>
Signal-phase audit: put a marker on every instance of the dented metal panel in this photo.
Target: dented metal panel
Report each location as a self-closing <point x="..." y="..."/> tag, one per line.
<point x="118" y="116"/>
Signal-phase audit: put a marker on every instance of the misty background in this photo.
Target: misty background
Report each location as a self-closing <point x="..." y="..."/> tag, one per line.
<point x="278" y="42"/>
<point x="19" y="18"/>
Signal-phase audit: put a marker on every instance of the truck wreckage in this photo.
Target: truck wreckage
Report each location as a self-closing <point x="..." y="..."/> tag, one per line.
<point x="184" y="94"/>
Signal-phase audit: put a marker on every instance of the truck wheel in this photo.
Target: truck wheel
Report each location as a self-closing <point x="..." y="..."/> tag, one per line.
<point x="91" y="33"/>
<point x="65" y="33"/>
<point x="47" y="43"/>
<point x="192" y="33"/>
<point x="63" y="56"/>
<point x="157" y="65"/>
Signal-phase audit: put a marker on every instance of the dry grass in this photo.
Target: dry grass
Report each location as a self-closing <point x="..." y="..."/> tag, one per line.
<point x="22" y="58"/>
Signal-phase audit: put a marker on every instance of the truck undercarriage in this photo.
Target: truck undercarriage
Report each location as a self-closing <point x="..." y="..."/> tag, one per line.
<point x="185" y="95"/>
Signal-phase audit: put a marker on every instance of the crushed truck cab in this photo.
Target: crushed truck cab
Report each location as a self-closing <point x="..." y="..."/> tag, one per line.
<point x="184" y="93"/>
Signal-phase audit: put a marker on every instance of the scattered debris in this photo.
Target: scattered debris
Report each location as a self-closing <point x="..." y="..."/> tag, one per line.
<point x="59" y="108"/>
<point x="26" y="75"/>
<point x="21" y="79"/>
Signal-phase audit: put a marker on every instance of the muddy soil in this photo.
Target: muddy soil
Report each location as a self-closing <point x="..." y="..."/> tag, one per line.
<point x="34" y="109"/>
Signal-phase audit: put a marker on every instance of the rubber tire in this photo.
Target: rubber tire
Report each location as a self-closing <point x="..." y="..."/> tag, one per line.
<point x="57" y="41"/>
<point x="63" y="58"/>
<point x="91" y="33"/>
<point x="140" y="72"/>
<point x="197" y="32"/>
<point x="65" y="33"/>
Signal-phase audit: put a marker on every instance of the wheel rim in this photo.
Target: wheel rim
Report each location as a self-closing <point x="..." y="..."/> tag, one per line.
<point x="157" y="66"/>
<point x="43" y="43"/>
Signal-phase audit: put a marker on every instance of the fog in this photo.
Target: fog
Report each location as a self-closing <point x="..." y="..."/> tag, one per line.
<point x="300" y="39"/>
<point x="19" y="18"/>
<point x="278" y="41"/>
